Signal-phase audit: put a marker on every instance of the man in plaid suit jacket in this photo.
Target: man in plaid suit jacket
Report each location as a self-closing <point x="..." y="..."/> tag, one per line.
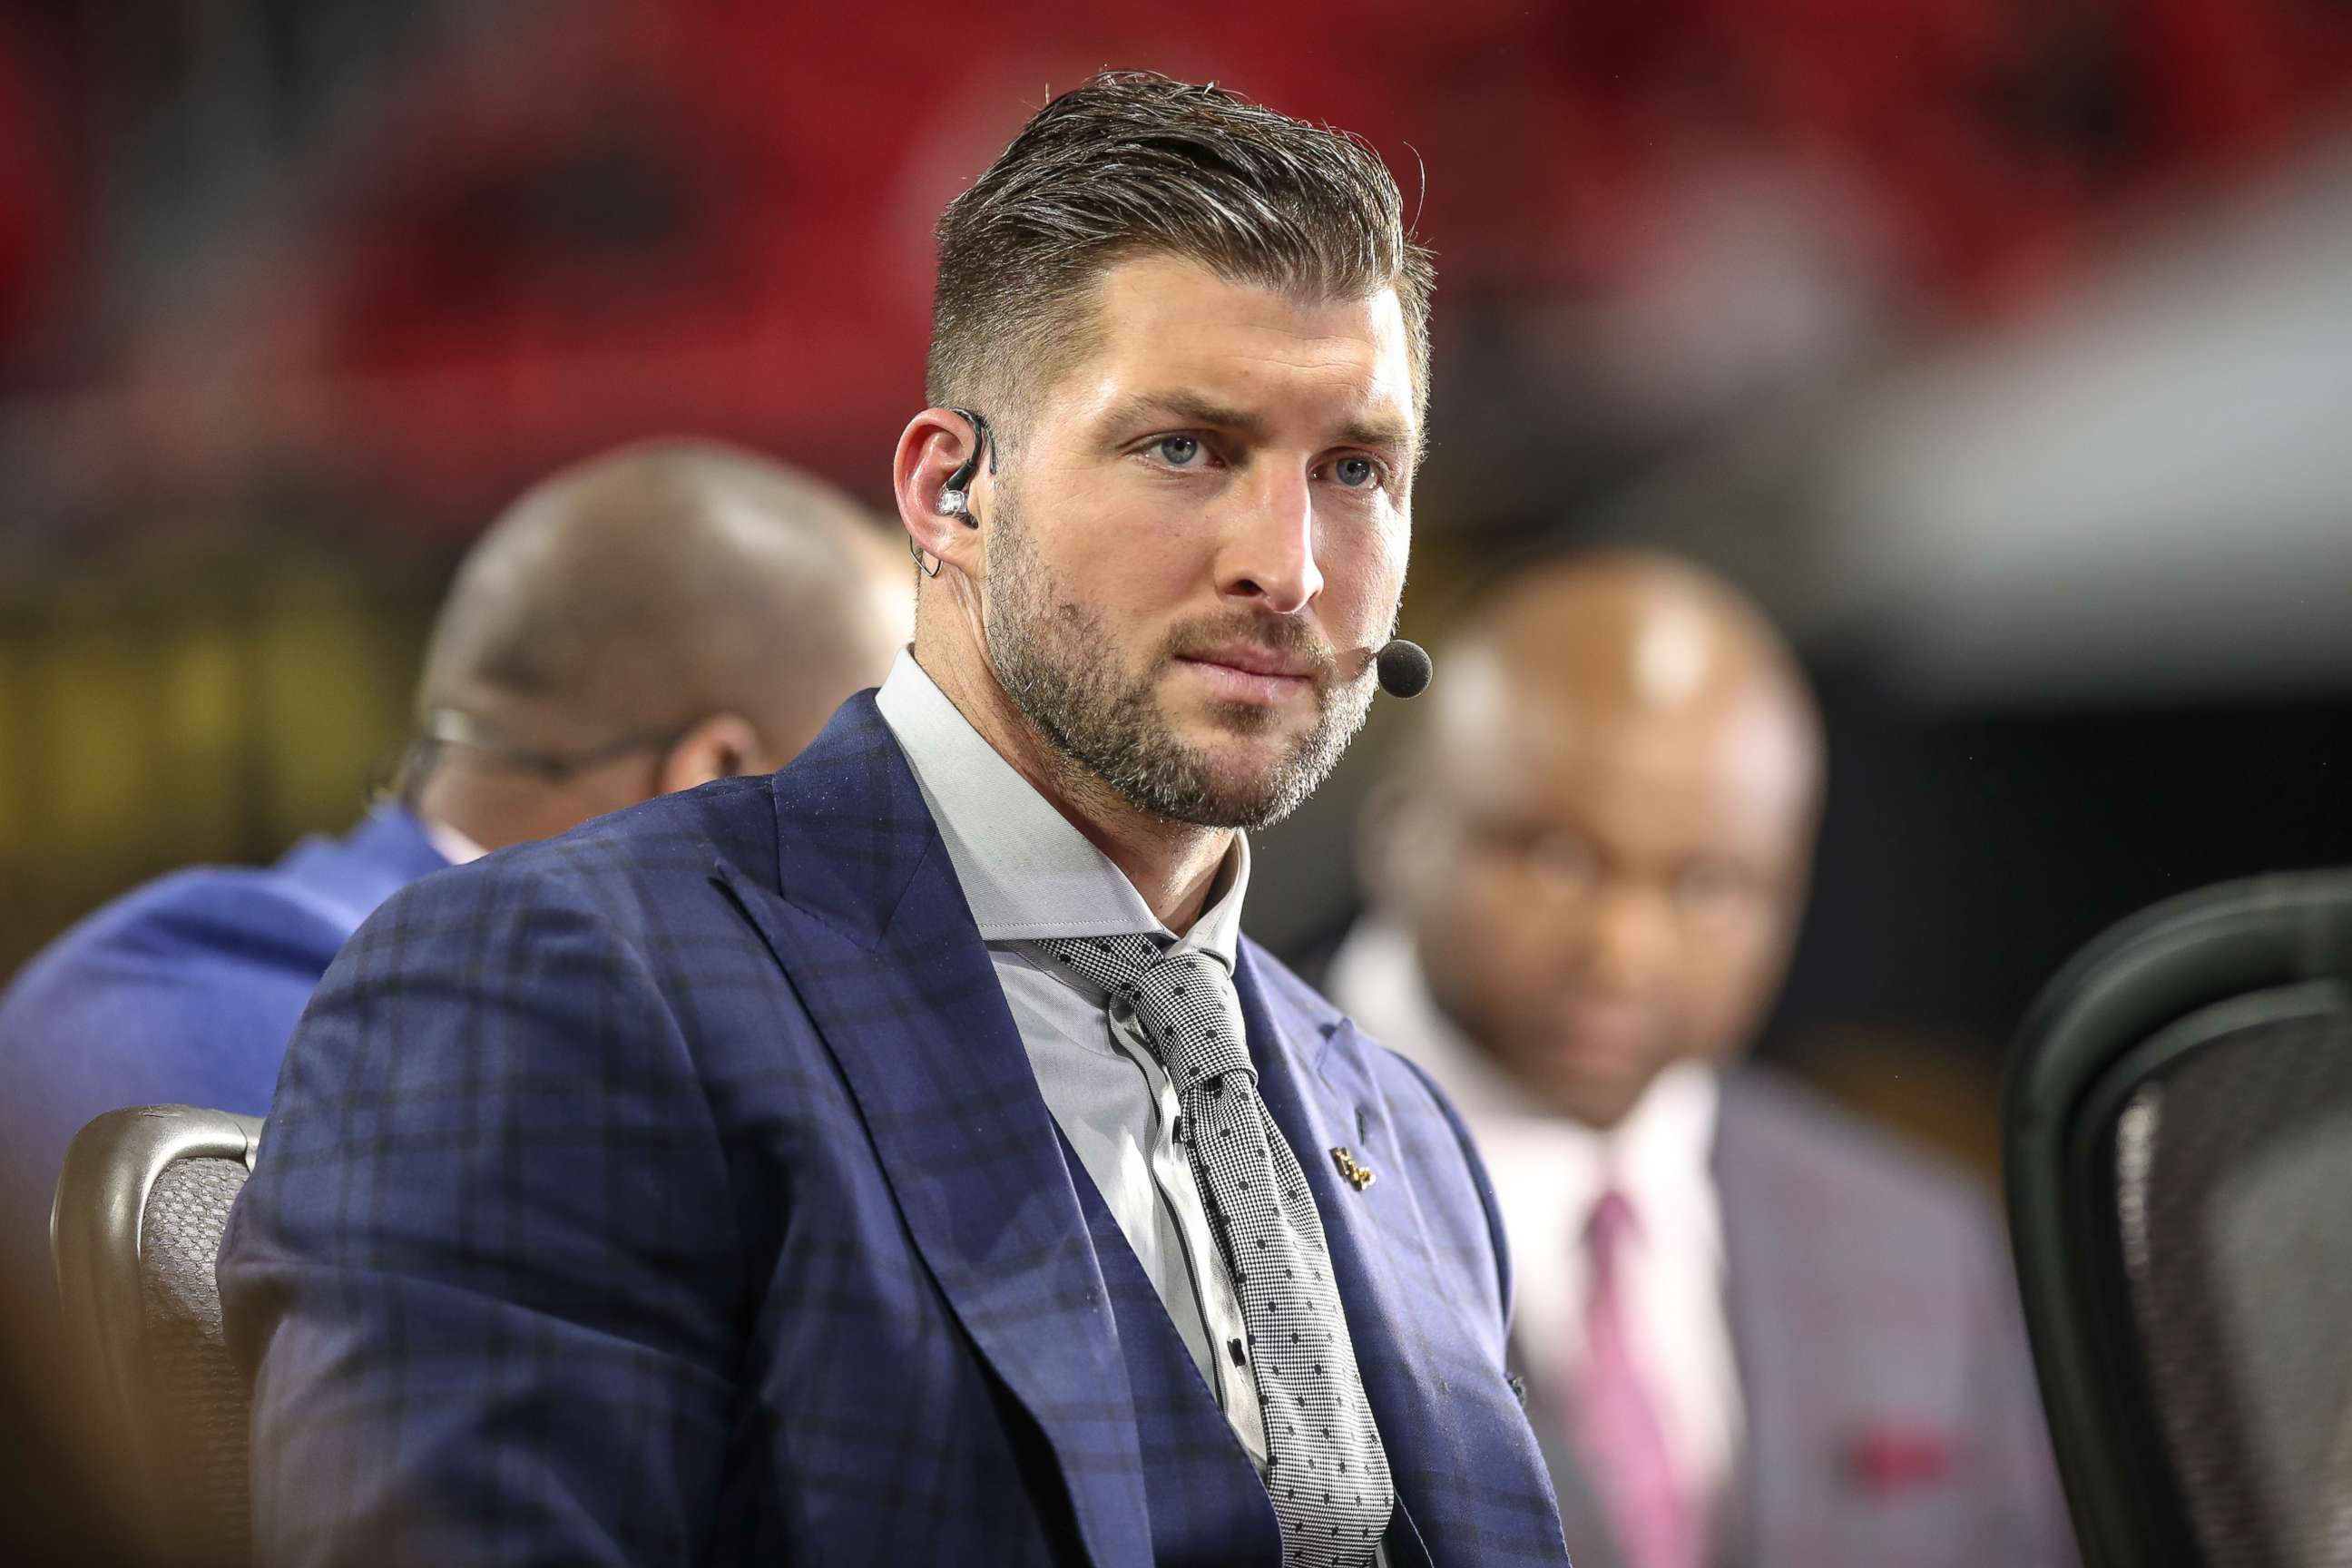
<point x="737" y="1178"/>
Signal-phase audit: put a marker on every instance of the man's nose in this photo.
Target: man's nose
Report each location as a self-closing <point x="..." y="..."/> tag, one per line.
<point x="1630" y="935"/>
<point x="1269" y="554"/>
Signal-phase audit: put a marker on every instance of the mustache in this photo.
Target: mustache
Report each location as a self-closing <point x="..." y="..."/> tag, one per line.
<point x="1275" y="634"/>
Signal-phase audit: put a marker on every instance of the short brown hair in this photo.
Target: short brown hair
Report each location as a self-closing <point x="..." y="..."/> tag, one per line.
<point x="1134" y="163"/>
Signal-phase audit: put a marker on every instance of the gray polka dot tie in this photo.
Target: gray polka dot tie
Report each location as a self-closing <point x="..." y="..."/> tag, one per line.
<point x="1326" y="1470"/>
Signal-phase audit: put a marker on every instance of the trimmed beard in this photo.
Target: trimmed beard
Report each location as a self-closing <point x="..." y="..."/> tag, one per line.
<point x="1051" y="652"/>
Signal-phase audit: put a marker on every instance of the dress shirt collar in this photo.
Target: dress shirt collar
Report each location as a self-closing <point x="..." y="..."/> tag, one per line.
<point x="453" y="845"/>
<point x="1026" y="872"/>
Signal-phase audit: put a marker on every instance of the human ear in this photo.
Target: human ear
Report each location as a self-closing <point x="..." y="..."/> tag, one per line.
<point x="942" y="487"/>
<point x="721" y="746"/>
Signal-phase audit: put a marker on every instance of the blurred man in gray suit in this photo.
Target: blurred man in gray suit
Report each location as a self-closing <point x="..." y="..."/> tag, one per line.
<point x="1753" y="1332"/>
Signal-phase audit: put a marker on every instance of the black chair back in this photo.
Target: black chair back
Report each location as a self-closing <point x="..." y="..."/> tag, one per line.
<point x="2179" y="1164"/>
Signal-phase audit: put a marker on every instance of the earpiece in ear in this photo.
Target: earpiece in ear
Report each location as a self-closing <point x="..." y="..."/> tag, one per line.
<point x="953" y="500"/>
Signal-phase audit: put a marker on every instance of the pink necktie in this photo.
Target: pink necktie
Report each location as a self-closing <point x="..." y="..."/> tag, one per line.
<point x="1618" y="1430"/>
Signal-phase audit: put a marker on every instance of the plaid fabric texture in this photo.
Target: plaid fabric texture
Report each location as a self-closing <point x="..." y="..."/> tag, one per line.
<point x="1208" y="1509"/>
<point x="678" y="1191"/>
<point x="1328" y="1475"/>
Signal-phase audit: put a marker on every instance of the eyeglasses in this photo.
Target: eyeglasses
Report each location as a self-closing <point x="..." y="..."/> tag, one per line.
<point x="1561" y="868"/>
<point x="448" y="727"/>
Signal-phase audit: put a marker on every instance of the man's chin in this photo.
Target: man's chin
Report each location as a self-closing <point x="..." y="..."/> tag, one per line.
<point x="1245" y="767"/>
<point x="1601" y="1089"/>
<point x="1599" y="1106"/>
<point x="1250" y="803"/>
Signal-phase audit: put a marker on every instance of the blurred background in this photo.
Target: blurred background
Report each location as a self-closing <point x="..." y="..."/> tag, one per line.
<point x="2002" y="348"/>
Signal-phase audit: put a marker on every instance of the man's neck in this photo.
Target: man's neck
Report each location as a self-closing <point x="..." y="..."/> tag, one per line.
<point x="1173" y="865"/>
<point x="491" y="811"/>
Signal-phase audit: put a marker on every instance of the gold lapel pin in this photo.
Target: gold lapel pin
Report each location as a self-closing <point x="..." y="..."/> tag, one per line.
<point x="1356" y="1174"/>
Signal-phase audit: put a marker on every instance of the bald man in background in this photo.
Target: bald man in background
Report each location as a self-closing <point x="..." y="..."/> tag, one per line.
<point x="1755" y="1332"/>
<point x="649" y="620"/>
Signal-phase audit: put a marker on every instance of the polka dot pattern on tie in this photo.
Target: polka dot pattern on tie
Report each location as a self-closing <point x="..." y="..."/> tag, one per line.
<point x="1327" y="1472"/>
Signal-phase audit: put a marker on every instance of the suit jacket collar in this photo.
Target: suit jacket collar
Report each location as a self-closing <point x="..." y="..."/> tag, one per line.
<point x="851" y="830"/>
<point x="345" y="878"/>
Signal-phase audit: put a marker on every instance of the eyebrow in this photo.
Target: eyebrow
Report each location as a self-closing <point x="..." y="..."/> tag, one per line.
<point x="1194" y="408"/>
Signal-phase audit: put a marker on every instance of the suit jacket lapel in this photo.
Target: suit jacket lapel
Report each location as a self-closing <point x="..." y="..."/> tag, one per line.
<point x="1590" y="1539"/>
<point x="1316" y="1086"/>
<point x="880" y="946"/>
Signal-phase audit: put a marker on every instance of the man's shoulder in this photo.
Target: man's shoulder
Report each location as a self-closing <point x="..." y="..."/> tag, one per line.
<point x="240" y="917"/>
<point x="287" y="918"/>
<point x="182" y="989"/>
<point x="1780" y="1136"/>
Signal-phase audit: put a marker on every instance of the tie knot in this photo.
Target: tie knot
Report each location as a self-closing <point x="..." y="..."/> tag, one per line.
<point x="1114" y="962"/>
<point x="1129" y="964"/>
<point x="1182" y="997"/>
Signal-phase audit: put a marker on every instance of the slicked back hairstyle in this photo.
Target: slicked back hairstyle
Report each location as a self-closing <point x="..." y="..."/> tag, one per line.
<point x="1136" y="164"/>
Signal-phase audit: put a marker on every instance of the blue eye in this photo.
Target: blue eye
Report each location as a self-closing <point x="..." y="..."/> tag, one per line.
<point x="1177" y="451"/>
<point x="1355" y="473"/>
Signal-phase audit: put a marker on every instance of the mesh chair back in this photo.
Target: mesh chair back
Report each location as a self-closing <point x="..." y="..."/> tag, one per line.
<point x="141" y="1205"/>
<point x="2179" y="1175"/>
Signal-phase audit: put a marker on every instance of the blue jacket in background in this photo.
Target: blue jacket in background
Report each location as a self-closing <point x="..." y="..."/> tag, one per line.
<point x="186" y="991"/>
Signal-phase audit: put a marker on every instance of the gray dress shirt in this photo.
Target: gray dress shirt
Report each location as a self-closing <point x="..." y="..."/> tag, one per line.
<point x="1030" y="876"/>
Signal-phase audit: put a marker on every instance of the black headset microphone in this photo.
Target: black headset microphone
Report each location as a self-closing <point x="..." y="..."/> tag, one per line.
<point x="1405" y="667"/>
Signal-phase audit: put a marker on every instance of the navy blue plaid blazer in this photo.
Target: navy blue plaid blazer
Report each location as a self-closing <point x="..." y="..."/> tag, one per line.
<point x="678" y="1191"/>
